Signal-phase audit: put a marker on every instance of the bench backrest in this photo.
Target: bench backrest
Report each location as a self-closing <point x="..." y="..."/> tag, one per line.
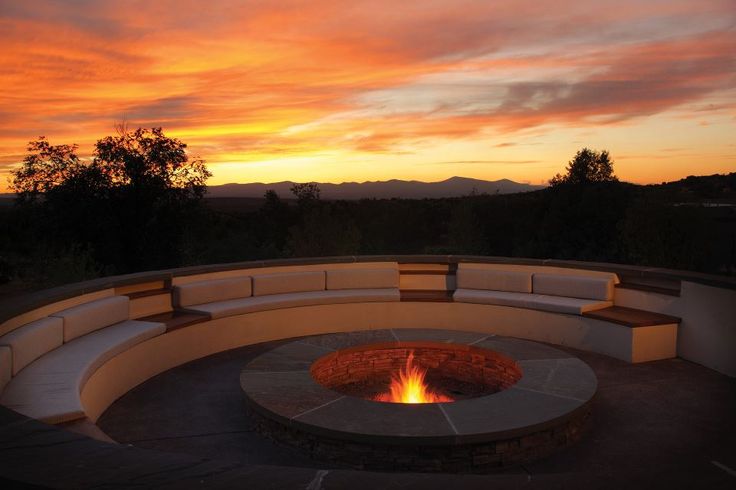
<point x="288" y="282"/>
<point x="362" y="279"/>
<point x="25" y="344"/>
<point x="31" y="341"/>
<point x="88" y="317"/>
<point x="567" y="285"/>
<point x="496" y="280"/>
<point x="570" y="286"/>
<point x="213" y="290"/>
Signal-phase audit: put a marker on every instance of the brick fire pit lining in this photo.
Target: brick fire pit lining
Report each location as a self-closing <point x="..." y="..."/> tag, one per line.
<point x="539" y="400"/>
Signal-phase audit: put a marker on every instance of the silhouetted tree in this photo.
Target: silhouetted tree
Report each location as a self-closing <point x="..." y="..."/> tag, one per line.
<point x="48" y="167"/>
<point x="275" y="220"/>
<point x="128" y="207"/>
<point x="146" y="158"/>
<point x="138" y="204"/>
<point x="156" y="188"/>
<point x="587" y="166"/>
<point x="323" y="228"/>
<point x="273" y="203"/>
<point x="306" y="193"/>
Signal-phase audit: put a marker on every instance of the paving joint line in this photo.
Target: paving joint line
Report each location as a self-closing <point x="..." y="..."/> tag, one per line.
<point x="318" y="407"/>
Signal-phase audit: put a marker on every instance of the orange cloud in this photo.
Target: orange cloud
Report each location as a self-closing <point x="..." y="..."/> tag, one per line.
<point x="374" y="81"/>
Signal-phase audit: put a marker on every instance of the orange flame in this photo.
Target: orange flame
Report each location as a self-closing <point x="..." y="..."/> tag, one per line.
<point x="409" y="387"/>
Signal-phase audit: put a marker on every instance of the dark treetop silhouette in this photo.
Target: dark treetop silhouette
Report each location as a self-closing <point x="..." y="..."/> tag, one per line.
<point x="125" y="209"/>
<point x="139" y="204"/>
<point x="586" y="167"/>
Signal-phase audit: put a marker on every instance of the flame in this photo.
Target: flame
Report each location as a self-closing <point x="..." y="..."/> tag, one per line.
<point x="409" y="387"/>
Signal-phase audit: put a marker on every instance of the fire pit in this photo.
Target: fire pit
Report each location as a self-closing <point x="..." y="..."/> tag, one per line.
<point x="416" y="372"/>
<point x="359" y="399"/>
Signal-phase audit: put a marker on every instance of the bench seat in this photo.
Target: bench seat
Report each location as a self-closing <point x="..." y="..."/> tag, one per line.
<point x="554" y="304"/>
<point x="48" y="389"/>
<point x="222" y="309"/>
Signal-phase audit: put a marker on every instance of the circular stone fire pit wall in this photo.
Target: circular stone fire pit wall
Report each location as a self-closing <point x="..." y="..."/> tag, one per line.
<point x="529" y="400"/>
<point x="459" y="371"/>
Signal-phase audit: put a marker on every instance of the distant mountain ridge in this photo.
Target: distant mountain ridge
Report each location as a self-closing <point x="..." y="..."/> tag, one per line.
<point x="407" y="189"/>
<point x="717" y="187"/>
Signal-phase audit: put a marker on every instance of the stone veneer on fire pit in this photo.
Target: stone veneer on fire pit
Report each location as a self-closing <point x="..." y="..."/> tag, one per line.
<point x="539" y="400"/>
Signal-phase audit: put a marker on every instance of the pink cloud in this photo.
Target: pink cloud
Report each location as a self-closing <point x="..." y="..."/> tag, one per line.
<point x="367" y="76"/>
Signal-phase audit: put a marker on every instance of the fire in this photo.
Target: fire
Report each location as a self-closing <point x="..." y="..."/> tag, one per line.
<point x="409" y="387"/>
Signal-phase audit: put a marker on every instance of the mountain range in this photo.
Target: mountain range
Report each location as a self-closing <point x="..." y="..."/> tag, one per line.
<point x="710" y="188"/>
<point x="407" y="189"/>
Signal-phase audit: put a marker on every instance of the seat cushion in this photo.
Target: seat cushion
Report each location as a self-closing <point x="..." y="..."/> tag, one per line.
<point x="212" y="290"/>
<point x="559" y="304"/>
<point x="6" y="366"/>
<point x="362" y="278"/>
<point x="501" y="298"/>
<point x="277" y="301"/>
<point x="496" y="280"/>
<point x="33" y="340"/>
<point x="555" y="304"/>
<point x="49" y="388"/>
<point x="88" y="317"/>
<point x="288" y="282"/>
<point x="572" y="286"/>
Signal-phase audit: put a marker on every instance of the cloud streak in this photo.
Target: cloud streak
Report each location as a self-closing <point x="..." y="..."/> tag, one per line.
<point x="269" y="81"/>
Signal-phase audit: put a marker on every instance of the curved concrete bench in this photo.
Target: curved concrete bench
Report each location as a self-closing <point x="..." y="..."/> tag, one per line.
<point x="221" y="298"/>
<point x="556" y="293"/>
<point x="52" y="358"/>
<point x="705" y="304"/>
<point x="74" y="363"/>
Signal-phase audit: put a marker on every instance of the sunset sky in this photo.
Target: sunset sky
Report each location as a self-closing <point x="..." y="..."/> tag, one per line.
<point x="338" y="91"/>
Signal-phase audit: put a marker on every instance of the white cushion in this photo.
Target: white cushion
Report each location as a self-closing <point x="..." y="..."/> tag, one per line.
<point x="573" y="286"/>
<point x="6" y="367"/>
<point x="542" y="269"/>
<point x="48" y="389"/>
<point x="212" y="290"/>
<point x="276" y="301"/>
<point x="559" y="304"/>
<point x="88" y="317"/>
<point x="497" y="280"/>
<point x="33" y="340"/>
<point x="362" y="278"/>
<point x="288" y="282"/>
<point x="555" y="304"/>
<point x="502" y="298"/>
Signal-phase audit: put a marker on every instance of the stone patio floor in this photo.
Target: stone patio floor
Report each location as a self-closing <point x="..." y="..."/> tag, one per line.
<point x="663" y="424"/>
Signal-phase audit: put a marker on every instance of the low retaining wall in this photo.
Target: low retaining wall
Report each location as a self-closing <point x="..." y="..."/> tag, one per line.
<point x="707" y="334"/>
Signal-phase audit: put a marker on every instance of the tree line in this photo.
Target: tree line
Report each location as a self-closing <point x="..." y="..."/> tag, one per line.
<point x="140" y="204"/>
